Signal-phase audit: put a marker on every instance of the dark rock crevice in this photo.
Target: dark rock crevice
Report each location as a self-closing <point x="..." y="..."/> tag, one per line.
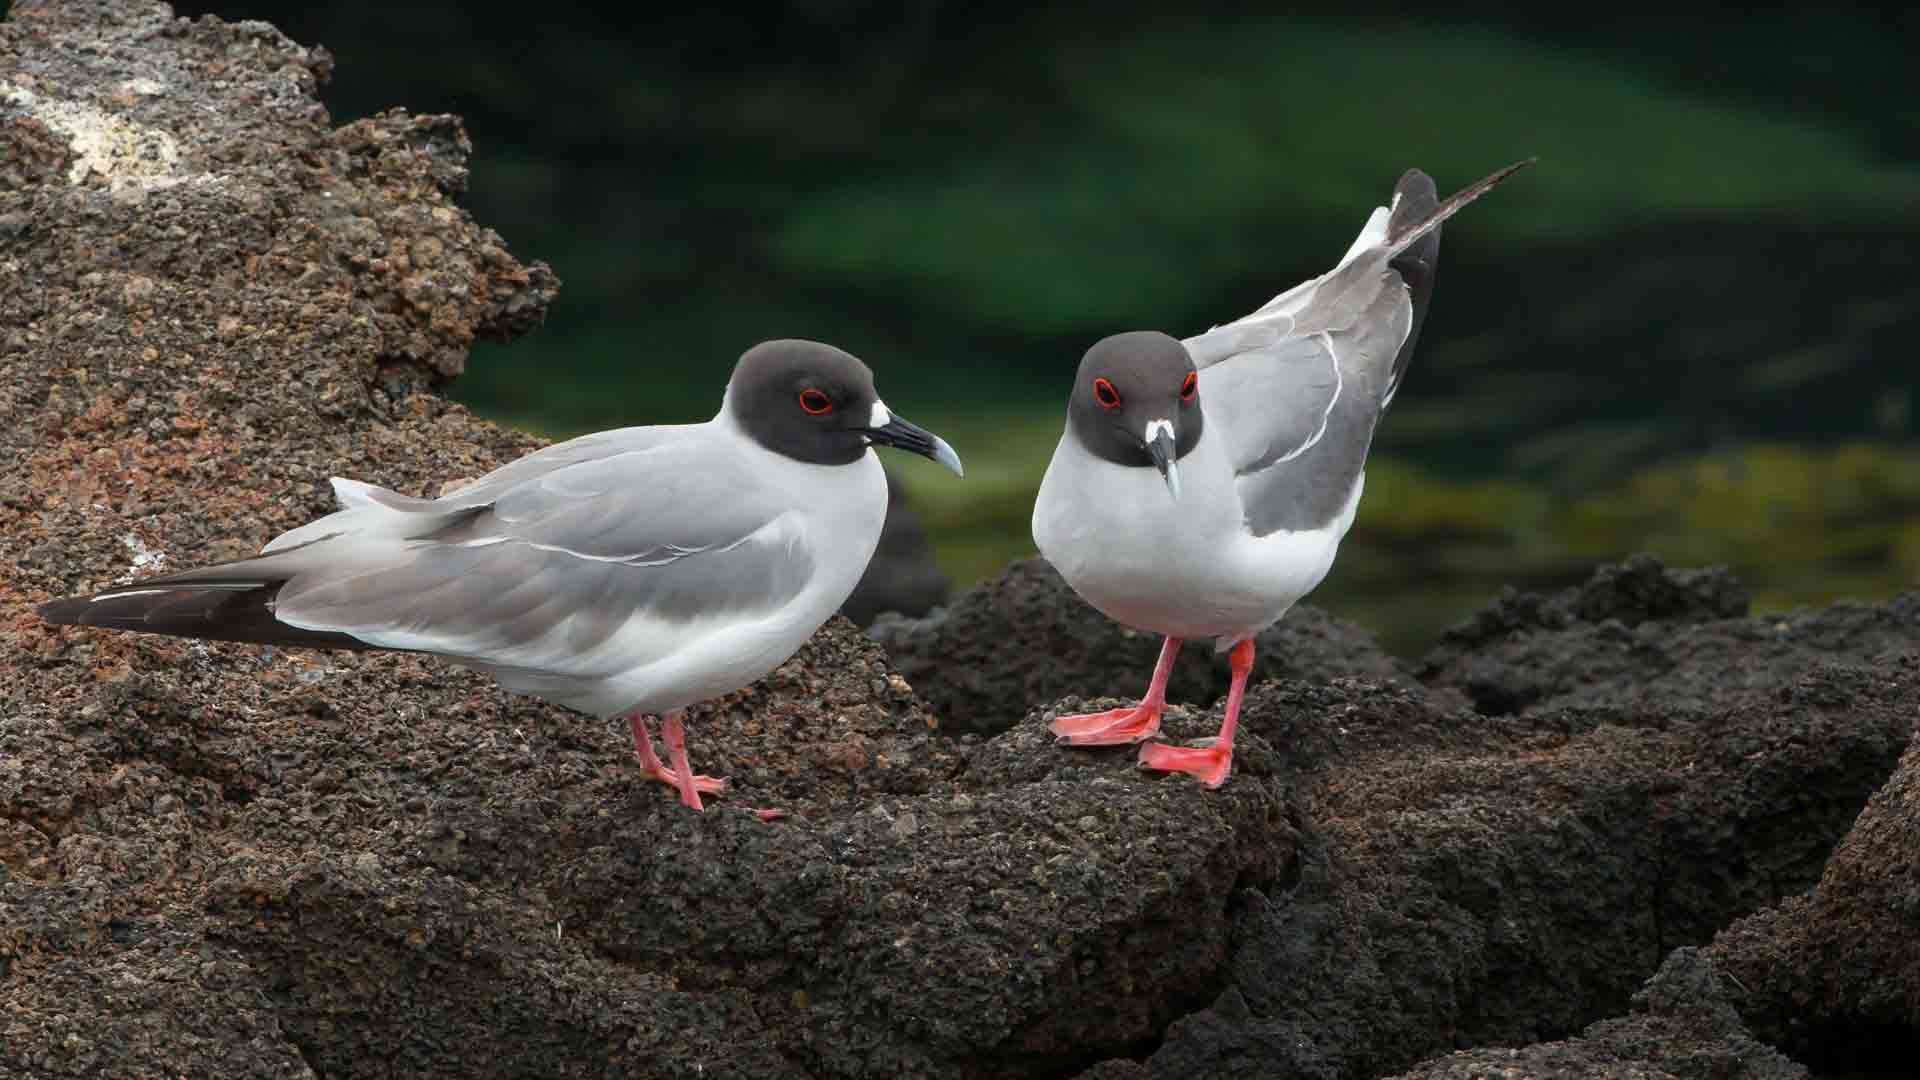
<point x="1857" y="1049"/>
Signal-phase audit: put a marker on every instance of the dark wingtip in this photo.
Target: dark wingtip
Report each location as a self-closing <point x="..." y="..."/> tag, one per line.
<point x="1414" y="185"/>
<point x="1415" y="197"/>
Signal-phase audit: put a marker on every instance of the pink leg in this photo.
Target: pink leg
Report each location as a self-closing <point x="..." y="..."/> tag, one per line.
<point x="651" y="767"/>
<point x="676" y="736"/>
<point x="1117" y="727"/>
<point x="1212" y="761"/>
<point x="643" y="746"/>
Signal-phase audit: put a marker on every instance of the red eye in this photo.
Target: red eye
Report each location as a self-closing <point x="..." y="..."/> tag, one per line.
<point x="1188" y="386"/>
<point x="1105" y="394"/>
<point x="815" y="402"/>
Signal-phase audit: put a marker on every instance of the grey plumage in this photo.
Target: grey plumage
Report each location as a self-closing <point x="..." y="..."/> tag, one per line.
<point x="550" y="555"/>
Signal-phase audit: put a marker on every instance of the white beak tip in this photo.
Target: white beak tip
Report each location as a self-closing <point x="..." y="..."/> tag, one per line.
<point x="944" y="454"/>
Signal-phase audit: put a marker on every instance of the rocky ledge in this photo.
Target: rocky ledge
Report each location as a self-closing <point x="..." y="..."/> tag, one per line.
<point x="1624" y="830"/>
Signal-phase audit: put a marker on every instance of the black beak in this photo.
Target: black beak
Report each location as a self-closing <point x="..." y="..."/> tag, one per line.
<point x="913" y="438"/>
<point x="1160" y="447"/>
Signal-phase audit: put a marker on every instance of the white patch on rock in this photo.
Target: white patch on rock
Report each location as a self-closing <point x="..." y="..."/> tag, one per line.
<point x="144" y="559"/>
<point x="124" y="154"/>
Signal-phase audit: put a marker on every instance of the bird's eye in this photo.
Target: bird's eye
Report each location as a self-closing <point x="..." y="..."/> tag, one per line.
<point x="1188" y="386"/>
<point x="1105" y="394"/>
<point x="815" y="402"/>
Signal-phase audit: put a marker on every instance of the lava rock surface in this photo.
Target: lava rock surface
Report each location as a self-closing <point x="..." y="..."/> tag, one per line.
<point x="1624" y="830"/>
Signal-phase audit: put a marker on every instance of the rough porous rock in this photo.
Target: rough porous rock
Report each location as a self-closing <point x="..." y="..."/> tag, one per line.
<point x="232" y="860"/>
<point x="1639" y="632"/>
<point x="1681" y="1027"/>
<point x="1026" y="637"/>
<point x="1833" y="976"/>
<point x="1462" y="880"/>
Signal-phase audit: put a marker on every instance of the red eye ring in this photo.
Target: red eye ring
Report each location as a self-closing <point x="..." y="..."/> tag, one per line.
<point x="1189" y="385"/>
<point x="815" y="402"/>
<point x="1105" y="394"/>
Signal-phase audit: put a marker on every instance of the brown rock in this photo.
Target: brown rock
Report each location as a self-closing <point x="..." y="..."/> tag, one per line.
<point x="1467" y="881"/>
<point x="1833" y="976"/>
<point x="1641" y="632"/>
<point x="1681" y="1027"/>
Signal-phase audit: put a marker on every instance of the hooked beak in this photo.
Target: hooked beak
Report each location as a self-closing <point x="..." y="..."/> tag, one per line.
<point x="1160" y="447"/>
<point x="889" y="430"/>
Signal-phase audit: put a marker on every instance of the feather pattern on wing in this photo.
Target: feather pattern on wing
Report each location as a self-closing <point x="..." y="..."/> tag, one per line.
<point x="1297" y="387"/>
<point x="555" y="570"/>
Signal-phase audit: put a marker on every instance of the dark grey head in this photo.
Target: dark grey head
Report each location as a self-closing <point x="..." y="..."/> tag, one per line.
<point x="816" y="403"/>
<point x="1136" y="402"/>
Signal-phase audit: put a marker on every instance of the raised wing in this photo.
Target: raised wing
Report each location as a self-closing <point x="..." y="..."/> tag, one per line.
<point x="1297" y="405"/>
<point x="1297" y="387"/>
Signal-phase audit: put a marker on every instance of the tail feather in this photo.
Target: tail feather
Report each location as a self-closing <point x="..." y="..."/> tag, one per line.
<point x="235" y="601"/>
<point x="1413" y="248"/>
<point x="227" y="602"/>
<point x="1401" y="234"/>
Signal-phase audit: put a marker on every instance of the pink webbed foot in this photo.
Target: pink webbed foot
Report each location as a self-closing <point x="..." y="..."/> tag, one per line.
<point x="1119" y="727"/>
<point x="1115" y="727"/>
<point x="702" y="783"/>
<point x="1212" y="760"/>
<point x="1211" y="765"/>
<point x="681" y="777"/>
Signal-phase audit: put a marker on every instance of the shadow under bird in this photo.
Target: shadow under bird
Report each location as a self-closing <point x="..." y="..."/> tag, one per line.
<point x="622" y="573"/>
<point x="1202" y="487"/>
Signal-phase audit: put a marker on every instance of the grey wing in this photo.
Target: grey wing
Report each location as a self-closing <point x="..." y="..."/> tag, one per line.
<point x="1297" y="408"/>
<point x="1298" y="386"/>
<point x="584" y="450"/>
<point x="579" y="570"/>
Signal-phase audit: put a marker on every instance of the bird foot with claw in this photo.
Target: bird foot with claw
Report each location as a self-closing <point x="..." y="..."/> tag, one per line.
<point x="705" y="785"/>
<point x="1210" y="764"/>
<point x="1115" y="727"/>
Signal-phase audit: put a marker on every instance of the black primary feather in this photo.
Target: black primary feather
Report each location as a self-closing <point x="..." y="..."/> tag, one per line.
<point x="206" y="607"/>
<point x="1415" y="199"/>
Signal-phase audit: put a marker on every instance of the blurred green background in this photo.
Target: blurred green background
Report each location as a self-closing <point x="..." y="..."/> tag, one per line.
<point x="1690" y="329"/>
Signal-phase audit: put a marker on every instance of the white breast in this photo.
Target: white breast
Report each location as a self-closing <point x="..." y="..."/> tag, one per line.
<point x="1190" y="569"/>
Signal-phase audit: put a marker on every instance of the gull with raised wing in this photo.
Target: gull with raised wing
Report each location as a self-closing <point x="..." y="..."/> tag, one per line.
<point x="622" y="573"/>
<point x="1202" y="487"/>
